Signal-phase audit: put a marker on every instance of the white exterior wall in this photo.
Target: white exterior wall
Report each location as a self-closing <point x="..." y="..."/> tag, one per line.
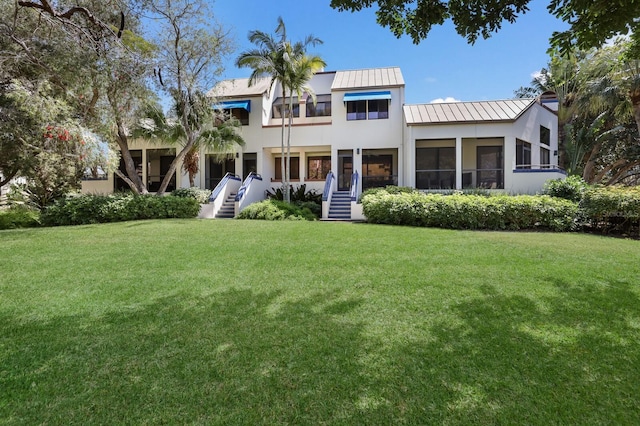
<point x="469" y="136"/>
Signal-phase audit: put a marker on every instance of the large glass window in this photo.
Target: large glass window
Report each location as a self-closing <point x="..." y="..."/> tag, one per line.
<point x="489" y="162"/>
<point x="322" y="108"/>
<point x="374" y="109"/>
<point x="241" y="114"/>
<point x="523" y="154"/>
<point x="378" y="109"/>
<point x="278" y="107"/>
<point x="545" y="136"/>
<point x="357" y="110"/>
<point x="377" y="170"/>
<point x="295" y="168"/>
<point x="318" y="167"/>
<point x="545" y="158"/>
<point x="436" y="168"/>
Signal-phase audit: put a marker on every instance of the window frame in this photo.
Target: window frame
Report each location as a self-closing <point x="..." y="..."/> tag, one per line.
<point x="295" y="169"/>
<point x="523" y="152"/>
<point x="280" y="104"/>
<point x="325" y="166"/>
<point x="312" y="110"/>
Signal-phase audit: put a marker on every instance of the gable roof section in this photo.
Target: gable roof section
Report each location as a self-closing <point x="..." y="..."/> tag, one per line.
<point x="368" y="78"/>
<point x="239" y="87"/>
<point x="466" y="112"/>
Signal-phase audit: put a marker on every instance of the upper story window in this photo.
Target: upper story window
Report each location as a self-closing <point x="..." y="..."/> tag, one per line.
<point x="279" y="105"/>
<point x="378" y="109"/>
<point x="238" y="109"/>
<point x="357" y="110"/>
<point x="545" y="136"/>
<point x="523" y="154"/>
<point x="322" y="108"/>
<point x="545" y="158"/>
<point x="241" y="114"/>
<point x="367" y="105"/>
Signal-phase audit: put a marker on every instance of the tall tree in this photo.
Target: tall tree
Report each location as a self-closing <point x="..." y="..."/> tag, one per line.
<point x="285" y="63"/>
<point x="591" y="22"/>
<point x="302" y="68"/>
<point x="191" y="46"/>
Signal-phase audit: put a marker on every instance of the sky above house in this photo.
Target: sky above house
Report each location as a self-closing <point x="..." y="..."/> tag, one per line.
<point x="442" y="67"/>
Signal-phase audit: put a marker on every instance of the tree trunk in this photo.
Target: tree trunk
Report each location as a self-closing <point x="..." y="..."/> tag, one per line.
<point x="288" y="182"/>
<point x="589" y="167"/>
<point x="134" y="181"/>
<point x="285" y="189"/>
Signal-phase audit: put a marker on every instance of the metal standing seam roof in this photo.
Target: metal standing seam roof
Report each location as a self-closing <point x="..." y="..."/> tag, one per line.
<point x="466" y="112"/>
<point x="239" y="87"/>
<point x="367" y="78"/>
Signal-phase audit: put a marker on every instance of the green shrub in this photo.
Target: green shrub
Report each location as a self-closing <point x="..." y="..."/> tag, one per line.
<point x="570" y="188"/>
<point x="276" y="210"/>
<point x="202" y="195"/>
<point x="297" y="195"/>
<point x="459" y="211"/>
<point x="18" y="216"/>
<point x="611" y="206"/>
<point x="86" y="209"/>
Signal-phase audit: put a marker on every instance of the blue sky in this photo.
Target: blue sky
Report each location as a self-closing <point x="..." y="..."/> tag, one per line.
<point x="443" y="66"/>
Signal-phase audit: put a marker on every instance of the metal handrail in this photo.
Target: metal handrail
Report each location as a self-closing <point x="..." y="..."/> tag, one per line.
<point x="328" y="184"/>
<point x="245" y="185"/>
<point x="354" y="186"/>
<point x="220" y="186"/>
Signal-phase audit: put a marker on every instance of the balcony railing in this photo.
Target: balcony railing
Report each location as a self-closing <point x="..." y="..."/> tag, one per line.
<point x="436" y="179"/>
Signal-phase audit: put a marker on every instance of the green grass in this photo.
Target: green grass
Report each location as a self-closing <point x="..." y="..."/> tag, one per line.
<point x="243" y="322"/>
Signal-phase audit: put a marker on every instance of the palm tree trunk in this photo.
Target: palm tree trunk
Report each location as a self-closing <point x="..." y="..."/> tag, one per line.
<point x="589" y="167"/>
<point x="289" y="147"/>
<point x="285" y="189"/>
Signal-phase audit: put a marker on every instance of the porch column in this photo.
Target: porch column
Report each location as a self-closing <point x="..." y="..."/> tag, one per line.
<point x="458" y="162"/>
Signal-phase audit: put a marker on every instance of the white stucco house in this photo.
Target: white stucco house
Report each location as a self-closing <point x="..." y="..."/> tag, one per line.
<point x="360" y="134"/>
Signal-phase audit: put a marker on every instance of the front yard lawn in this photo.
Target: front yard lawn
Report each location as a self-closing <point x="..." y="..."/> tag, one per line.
<point x="251" y="322"/>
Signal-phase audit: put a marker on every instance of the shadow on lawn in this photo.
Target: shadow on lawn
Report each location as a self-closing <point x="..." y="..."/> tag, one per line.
<point x="572" y="358"/>
<point x="238" y="357"/>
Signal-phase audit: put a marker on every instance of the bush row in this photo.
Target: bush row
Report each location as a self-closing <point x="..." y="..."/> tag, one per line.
<point x="19" y="217"/>
<point x="86" y="209"/>
<point x="202" y="195"/>
<point x="276" y="210"/>
<point x="459" y="211"/>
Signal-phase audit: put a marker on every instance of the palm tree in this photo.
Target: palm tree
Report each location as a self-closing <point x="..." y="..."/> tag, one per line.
<point x="303" y="67"/>
<point x="217" y="133"/>
<point x="276" y="58"/>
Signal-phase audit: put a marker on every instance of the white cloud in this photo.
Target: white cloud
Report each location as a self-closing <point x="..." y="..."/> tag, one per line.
<point x="431" y="80"/>
<point x="446" y="100"/>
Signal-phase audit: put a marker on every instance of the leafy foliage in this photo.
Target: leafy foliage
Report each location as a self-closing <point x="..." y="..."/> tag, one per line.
<point x="460" y="211"/>
<point x="19" y="217"/>
<point x="611" y="208"/>
<point x="591" y="22"/>
<point x="570" y="188"/>
<point x="201" y="195"/>
<point x="276" y="210"/>
<point x="300" y="197"/>
<point x="86" y="209"/>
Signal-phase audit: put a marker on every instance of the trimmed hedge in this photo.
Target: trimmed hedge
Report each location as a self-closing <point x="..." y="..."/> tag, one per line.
<point x="611" y="206"/>
<point x="276" y="210"/>
<point x="460" y="211"/>
<point x="202" y="195"/>
<point x="86" y="209"/>
<point x="19" y="217"/>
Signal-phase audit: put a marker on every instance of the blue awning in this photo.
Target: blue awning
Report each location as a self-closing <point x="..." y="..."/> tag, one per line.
<point x="233" y="104"/>
<point x="366" y="96"/>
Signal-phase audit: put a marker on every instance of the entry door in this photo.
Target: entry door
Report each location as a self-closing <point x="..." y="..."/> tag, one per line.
<point x="345" y="170"/>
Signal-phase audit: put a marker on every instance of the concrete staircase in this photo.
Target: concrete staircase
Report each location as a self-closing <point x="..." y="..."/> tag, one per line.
<point x="340" y="207"/>
<point x="227" y="211"/>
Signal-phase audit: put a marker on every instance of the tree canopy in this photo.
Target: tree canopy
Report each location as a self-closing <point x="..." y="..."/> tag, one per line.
<point x="591" y="22"/>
